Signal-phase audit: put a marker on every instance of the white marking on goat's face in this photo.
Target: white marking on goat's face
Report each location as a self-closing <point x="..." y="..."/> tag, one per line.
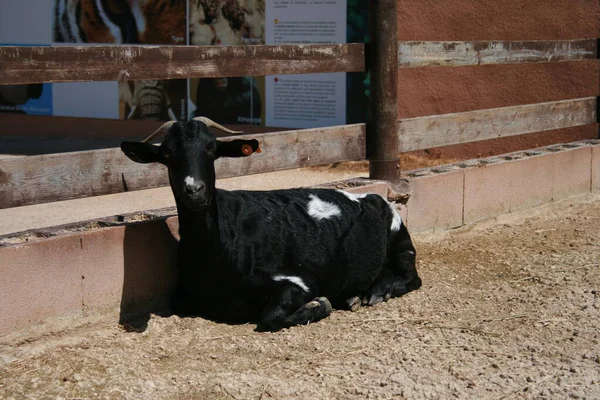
<point x="293" y="279"/>
<point x="189" y="180"/>
<point x="354" y="196"/>
<point x="319" y="209"/>
<point x="396" y="220"/>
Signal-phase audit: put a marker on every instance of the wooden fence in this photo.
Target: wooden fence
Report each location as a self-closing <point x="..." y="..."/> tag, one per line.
<point x="44" y="178"/>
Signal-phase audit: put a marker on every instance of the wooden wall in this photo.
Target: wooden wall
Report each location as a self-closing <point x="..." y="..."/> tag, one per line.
<point x="439" y="90"/>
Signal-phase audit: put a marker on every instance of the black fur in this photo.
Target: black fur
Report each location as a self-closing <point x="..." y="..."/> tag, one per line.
<point x="236" y="244"/>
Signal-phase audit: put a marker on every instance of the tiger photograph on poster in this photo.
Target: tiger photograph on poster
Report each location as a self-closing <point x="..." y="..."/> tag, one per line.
<point x="130" y="22"/>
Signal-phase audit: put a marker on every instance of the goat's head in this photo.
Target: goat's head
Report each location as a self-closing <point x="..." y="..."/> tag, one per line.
<point x="189" y="151"/>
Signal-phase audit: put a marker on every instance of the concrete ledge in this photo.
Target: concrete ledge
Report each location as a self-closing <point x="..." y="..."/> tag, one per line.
<point x="126" y="263"/>
<point x="572" y="171"/>
<point x="498" y="185"/>
<point x="126" y="268"/>
<point x="596" y="168"/>
<point x="436" y="200"/>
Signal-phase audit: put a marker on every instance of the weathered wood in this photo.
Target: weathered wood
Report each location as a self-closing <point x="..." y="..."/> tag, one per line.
<point x="382" y="140"/>
<point x="442" y="130"/>
<point x="45" y="178"/>
<point x="453" y="54"/>
<point x="125" y="63"/>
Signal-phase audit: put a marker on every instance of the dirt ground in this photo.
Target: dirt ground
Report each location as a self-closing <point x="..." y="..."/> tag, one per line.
<point x="509" y="309"/>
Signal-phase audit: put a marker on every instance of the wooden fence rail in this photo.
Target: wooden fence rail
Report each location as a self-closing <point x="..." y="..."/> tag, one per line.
<point x="45" y="178"/>
<point x="37" y="179"/>
<point x="454" y="54"/>
<point x="125" y="63"/>
<point x="442" y="130"/>
<point x="53" y="177"/>
<point x="20" y="64"/>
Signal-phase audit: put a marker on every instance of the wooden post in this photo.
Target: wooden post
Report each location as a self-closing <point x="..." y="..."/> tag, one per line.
<point x="598" y="98"/>
<point x="382" y="129"/>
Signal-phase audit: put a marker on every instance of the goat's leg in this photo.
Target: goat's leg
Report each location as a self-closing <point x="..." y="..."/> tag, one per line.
<point x="286" y="299"/>
<point x="312" y="311"/>
<point x="353" y="303"/>
<point x="400" y="275"/>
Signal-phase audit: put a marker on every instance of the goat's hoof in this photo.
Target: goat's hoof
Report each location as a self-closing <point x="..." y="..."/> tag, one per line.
<point x="354" y="303"/>
<point x="324" y="302"/>
<point x="312" y="304"/>
<point x="375" y="299"/>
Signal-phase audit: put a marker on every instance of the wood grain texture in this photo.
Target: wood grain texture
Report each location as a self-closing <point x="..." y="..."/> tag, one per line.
<point x="53" y="177"/>
<point x="448" y="129"/>
<point x="382" y="140"/>
<point x="453" y="54"/>
<point x="125" y="63"/>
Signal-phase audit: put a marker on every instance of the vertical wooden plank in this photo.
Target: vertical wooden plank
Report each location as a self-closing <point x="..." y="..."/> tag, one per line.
<point x="598" y="98"/>
<point x="382" y="140"/>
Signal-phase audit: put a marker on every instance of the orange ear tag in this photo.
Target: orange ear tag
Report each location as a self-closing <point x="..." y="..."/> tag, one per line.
<point x="247" y="149"/>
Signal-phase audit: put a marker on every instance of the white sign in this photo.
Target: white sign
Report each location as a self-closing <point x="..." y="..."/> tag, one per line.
<point x="305" y="101"/>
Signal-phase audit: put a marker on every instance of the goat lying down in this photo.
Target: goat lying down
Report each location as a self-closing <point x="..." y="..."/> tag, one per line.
<point x="279" y="258"/>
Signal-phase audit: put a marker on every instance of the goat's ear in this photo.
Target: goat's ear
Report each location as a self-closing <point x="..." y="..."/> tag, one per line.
<point x="141" y="152"/>
<point x="237" y="148"/>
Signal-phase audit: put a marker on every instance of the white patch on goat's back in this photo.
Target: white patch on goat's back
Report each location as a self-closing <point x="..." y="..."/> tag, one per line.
<point x="189" y="180"/>
<point x="319" y="209"/>
<point x="396" y="219"/>
<point x="293" y="279"/>
<point x="354" y="196"/>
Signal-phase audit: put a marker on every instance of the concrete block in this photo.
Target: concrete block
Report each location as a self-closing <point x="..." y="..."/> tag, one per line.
<point x="377" y="187"/>
<point x="173" y="225"/>
<point x="39" y="280"/>
<point x="358" y="185"/>
<point x="532" y="180"/>
<point x="147" y="267"/>
<point x="403" y="211"/>
<point x="596" y="168"/>
<point x="436" y="201"/>
<point x="487" y="191"/>
<point x="102" y="267"/>
<point x="572" y="172"/>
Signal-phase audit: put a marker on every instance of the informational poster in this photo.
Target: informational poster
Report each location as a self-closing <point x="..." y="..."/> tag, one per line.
<point x="229" y="100"/>
<point x="287" y="101"/>
<point x="116" y="23"/>
<point x="305" y="101"/>
<point x="19" y="26"/>
<point x="30" y="99"/>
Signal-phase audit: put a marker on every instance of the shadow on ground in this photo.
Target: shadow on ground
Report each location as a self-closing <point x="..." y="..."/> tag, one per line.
<point x="149" y="253"/>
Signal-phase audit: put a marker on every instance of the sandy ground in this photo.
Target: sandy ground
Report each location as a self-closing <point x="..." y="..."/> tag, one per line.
<point x="509" y="309"/>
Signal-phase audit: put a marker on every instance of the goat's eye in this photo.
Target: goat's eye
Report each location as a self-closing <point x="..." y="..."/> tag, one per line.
<point x="211" y="147"/>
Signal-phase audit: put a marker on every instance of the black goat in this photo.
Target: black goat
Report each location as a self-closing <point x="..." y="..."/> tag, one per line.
<point x="281" y="257"/>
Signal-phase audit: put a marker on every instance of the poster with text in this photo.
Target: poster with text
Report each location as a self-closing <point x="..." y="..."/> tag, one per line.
<point x="227" y="100"/>
<point x="305" y="101"/>
<point x="30" y="99"/>
<point x="155" y="22"/>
